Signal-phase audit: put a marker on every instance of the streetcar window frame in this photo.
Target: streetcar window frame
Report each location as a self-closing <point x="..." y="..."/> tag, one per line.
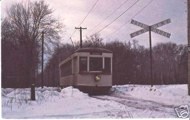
<point x="93" y="66"/>
<point x="83" y="67"/>
<point x="107" y="65"/>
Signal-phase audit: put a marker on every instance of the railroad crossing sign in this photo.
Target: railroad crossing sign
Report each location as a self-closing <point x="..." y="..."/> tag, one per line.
<point x="153" y="28"/>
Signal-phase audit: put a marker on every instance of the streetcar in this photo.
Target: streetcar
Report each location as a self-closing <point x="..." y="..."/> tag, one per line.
<point x="88" y="69"/>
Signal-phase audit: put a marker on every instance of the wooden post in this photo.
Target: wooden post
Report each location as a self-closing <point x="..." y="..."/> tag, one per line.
<point x="42" y="74"/>
<point x="188" y="37"/>
<point x="33" y="92"/>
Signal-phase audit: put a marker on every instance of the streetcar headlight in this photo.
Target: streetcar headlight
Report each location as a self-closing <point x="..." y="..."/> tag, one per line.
<point x="97" y="78"/>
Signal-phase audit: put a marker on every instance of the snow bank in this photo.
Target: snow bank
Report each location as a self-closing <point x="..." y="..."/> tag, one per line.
<point x="168" y="94"/>
<point x="52" y="102"/>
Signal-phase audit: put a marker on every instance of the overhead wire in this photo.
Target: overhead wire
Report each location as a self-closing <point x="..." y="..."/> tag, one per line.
<point x="131" y="18"/>
<point x="117" y="17"/>
<point x="85" y="17"/>
<point x="109" y="15"/>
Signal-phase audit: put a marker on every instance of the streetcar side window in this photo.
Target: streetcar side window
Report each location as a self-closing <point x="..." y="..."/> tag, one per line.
<point x="96" y="64"/>
<point x="107" y="68"/>
<point x="66" y="69"/>
<point x="83" y="64"/>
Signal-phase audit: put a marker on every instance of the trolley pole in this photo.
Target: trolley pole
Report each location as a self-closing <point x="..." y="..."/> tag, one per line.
<point x="80" y="28"/>
<point x="150" y="40"/>
<point x="42" y="74"/>
<point x="188" y="37"/>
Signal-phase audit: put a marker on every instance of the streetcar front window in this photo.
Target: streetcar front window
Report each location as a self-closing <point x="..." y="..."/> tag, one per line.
<point x="83" y="64"/>
<point x="95" y="64"/>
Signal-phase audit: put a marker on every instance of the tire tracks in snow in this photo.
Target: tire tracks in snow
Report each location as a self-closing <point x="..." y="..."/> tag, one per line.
<point x="140" y="104"/>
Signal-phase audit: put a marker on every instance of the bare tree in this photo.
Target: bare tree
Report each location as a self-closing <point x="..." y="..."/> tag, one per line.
<point x="93" y="41"/>
<point x="25" y="23"/>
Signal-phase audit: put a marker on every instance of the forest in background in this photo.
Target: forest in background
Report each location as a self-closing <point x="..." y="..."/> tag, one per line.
<point x="131" y="62"/>
<point x="21" y="52"/>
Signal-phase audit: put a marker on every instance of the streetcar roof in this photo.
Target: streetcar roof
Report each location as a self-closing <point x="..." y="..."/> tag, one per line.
<point x="93" y="50"/>
<point x="89" y="50"/>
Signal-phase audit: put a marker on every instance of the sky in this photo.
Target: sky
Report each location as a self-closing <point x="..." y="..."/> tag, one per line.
<point x="117" y="26"/>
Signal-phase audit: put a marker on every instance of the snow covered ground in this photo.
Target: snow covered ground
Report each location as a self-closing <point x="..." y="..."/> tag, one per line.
<point x="126" y="101"/>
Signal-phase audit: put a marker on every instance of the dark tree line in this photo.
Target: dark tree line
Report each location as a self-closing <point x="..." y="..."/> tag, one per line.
<point x="131" y="63"/>
<point x="21" y="41"/>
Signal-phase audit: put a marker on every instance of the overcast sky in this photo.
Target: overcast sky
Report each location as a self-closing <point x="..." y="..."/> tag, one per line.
<point x="72" y="12"/>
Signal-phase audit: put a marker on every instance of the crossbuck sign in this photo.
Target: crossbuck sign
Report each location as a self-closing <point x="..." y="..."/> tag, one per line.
<point x="153" y="28"/>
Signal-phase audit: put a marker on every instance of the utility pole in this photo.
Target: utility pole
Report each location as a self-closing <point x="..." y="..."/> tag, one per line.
<point x="80" y="28"/>
<point x="150" y="41"/>
<point x="42" y="74"/>
<point x="188" y="37"/>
